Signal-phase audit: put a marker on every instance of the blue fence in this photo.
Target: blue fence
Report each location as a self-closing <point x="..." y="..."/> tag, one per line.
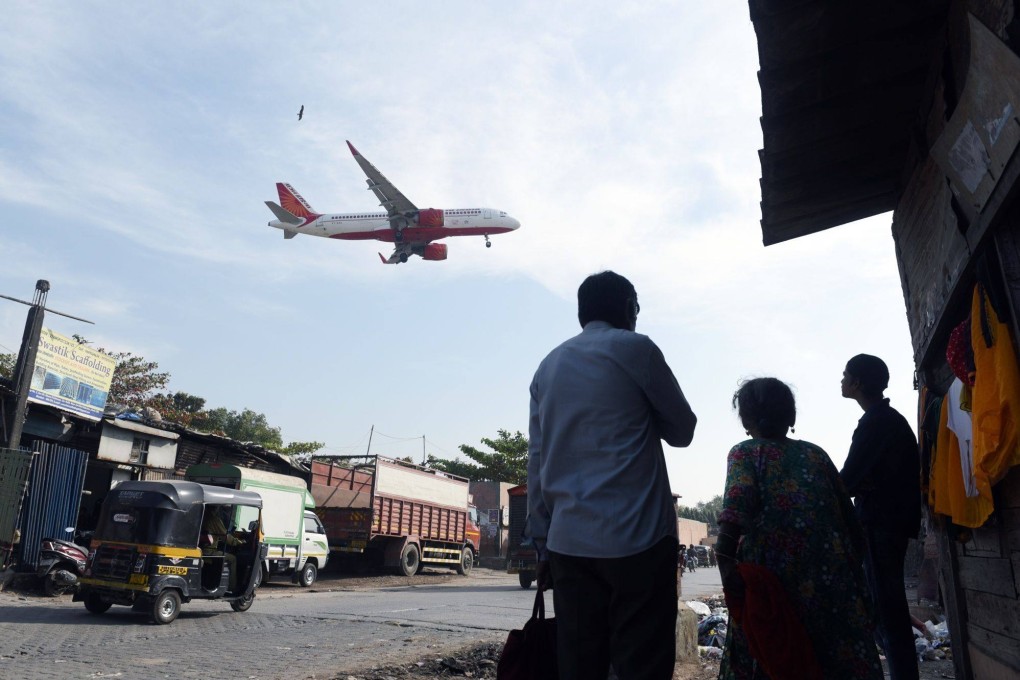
<point x="54" y="497"/>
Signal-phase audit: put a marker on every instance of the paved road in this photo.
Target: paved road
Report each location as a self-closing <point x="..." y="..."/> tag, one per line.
<point x="289" y="633"/>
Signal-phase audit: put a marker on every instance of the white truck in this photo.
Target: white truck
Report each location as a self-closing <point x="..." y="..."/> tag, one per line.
<point x="296" y="538"/>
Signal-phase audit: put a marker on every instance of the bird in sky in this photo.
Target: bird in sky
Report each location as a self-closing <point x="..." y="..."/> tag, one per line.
<point x="301" y="113"/>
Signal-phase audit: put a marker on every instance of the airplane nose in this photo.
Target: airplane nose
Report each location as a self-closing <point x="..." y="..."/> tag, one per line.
<point x="514" y="224"/>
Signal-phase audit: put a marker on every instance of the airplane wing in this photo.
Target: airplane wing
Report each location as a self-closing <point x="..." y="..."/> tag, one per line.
<point x="396" y="204"/>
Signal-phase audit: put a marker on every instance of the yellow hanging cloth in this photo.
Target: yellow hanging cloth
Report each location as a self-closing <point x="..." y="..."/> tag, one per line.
<point x="995" y="396"/>
<point x="946" y="493"/>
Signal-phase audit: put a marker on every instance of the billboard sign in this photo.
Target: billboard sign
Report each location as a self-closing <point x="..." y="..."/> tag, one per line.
<point x="71" y="376"/>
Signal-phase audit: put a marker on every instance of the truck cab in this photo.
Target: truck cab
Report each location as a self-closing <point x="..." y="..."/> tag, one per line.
<point x="295" y="538"/>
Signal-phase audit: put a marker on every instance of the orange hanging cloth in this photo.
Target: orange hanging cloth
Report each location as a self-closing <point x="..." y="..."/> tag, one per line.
<point x="996" y="395"/>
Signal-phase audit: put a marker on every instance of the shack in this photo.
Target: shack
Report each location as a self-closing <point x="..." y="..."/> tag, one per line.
<point x="914" y="107"/>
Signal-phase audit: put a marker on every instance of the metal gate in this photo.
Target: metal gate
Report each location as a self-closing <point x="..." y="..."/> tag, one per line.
<point x="14" y="467"/>
<point x="54" y="497"/>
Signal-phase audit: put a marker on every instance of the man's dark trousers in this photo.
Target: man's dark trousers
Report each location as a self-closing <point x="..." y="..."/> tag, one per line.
<point x="883" y="567"/>
<point x="620" y="610"/>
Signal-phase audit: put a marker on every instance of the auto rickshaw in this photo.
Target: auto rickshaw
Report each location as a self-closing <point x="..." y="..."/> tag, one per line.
<point x="152" y="549"/>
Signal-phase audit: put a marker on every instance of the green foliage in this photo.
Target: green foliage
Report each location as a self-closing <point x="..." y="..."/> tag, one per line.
<point x="181" y="408"/>
<point x="704" y="511"/>
<point x="508" y="461"/>
<point x="7" y="362"/>
<point x="135" y="380"/>
<point x="137" y="384"/>
<point x="249" y="426"/>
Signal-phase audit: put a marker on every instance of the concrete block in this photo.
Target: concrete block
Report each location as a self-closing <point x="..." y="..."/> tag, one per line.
<point x="686" y="633"/>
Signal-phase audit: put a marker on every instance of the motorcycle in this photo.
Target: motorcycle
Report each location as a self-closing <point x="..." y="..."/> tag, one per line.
<point x="61" y="563"/>
<point x="691" y="562"/>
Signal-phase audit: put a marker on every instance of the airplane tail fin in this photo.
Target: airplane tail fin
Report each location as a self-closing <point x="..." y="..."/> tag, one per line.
<point x="293" y="203"/>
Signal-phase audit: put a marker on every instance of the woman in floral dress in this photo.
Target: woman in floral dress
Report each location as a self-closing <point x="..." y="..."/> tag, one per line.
<point x="785" y="508"/>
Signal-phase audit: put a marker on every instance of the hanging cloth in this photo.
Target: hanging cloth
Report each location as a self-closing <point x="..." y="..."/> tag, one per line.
<point x="946" y="492"/>
<point x="995" y="395"/>
<point x="959" y="421"/>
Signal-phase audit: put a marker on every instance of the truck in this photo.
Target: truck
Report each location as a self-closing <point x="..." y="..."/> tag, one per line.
<point x="296" y="541"/>
<point x="395" y="514"/>
<point x="521" y="556"/>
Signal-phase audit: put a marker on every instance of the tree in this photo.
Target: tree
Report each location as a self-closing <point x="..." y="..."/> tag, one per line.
<point x="180" y="407"/>
<point x="507" y="463"/>
<point x="7" y="362"/>
<point x="703" y="511"/>
<point x="249" y="426"/>
<point x="135" y="380"/>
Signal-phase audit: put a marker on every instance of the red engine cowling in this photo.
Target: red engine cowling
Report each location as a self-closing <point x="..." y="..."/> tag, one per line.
<point x="430" y="217"/>
<point x="434" y="251"/>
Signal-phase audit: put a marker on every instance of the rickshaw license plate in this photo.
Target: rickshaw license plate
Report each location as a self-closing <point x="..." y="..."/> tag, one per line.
<point x="167" y="569"/>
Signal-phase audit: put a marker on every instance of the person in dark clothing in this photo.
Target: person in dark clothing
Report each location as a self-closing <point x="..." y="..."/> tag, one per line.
<point x="883" y="474"/>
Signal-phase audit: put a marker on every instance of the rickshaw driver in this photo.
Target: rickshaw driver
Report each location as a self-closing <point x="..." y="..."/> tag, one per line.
<point x="213" y="525"/>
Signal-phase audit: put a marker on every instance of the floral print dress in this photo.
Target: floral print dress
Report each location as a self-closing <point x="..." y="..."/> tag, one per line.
<point x="798" y="522"/>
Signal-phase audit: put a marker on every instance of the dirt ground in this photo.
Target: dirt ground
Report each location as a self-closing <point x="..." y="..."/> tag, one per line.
<point x="480" y="662"/>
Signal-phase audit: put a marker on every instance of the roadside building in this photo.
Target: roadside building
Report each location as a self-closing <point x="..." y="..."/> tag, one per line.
<point x="874" y="106"/>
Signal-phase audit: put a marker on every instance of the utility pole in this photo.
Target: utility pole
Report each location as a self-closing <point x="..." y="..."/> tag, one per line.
<point x="369" y="447"/>
<point x="23" y="369"/>
<point x="424" y="458"/>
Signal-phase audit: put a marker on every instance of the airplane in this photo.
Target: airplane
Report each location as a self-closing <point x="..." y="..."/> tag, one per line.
<point x="411" y="229"/>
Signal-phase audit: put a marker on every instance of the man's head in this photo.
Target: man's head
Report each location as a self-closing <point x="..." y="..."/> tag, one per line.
<point x="866" y="376"/>
<point x="608" y="297"/>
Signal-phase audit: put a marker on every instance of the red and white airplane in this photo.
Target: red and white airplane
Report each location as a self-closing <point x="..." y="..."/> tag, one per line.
<point x="409" y="228"/>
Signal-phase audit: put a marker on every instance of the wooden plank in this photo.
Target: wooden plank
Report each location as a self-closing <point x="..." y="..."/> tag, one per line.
<point x="984" y="542"/>
<point x="994" y="612"/>
<point x="988" y="575"/>
<point x="933" y="258"/>
<point x="993" y="657"/>
<point x="956" y="603"/>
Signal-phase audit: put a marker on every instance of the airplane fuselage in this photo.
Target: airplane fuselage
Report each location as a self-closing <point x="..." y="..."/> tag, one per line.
<point x="375" y="226"/>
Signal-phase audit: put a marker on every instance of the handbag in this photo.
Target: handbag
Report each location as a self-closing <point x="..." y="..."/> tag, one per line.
<point x="530" y="653"/>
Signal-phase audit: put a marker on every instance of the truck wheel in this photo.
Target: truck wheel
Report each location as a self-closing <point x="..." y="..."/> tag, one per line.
<point x="525" y="578"/>
<point x="96" y="604"/>
<point x="409" y="559"/>
<point x="467" y="561"/>
<point x="308" y="573"/>
<point x="166" y="607"/>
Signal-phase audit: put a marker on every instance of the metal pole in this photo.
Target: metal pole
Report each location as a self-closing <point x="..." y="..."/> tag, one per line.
<point x="26" y="362"/>
<point x="424" y="459"/>
<point x="369" y="448"/>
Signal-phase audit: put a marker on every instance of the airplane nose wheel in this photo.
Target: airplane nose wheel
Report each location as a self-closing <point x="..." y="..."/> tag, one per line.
<point x="398" y="236"/>
<point x="488" y="244"/>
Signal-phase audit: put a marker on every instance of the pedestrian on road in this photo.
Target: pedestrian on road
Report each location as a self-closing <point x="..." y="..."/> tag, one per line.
<point x="601" y="510"/>
<point x="883" y="474"/>
<point x="785" y="500"/>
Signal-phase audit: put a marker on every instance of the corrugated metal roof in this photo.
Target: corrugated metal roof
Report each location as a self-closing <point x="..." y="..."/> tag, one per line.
<point x="843" y="87"/>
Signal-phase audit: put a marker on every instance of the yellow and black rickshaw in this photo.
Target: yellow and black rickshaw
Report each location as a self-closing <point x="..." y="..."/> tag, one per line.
<point x="155" y="548"/>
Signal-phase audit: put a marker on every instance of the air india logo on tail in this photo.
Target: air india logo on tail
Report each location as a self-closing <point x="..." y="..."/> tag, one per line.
<point x="293" y="203"/>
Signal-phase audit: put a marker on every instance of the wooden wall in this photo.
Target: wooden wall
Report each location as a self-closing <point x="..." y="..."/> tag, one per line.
<point x="979" y="570"/>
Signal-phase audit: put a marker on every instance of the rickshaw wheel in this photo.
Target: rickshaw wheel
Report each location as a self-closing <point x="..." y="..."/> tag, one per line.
<point x="244" y="604"/>
<point x="96" y="604"/>
<point x="166" y="607"/>
<point x="525" y="578"/>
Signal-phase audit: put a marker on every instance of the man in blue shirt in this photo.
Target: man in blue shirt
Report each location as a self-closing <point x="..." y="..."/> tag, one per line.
<point x="600" y="506"/>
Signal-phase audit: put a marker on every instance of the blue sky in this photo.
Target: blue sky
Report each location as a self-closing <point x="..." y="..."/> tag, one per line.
<point x="138" y="142"/>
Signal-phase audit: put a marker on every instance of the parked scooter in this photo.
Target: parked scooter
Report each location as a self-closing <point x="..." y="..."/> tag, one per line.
<point x="61" y="563"/>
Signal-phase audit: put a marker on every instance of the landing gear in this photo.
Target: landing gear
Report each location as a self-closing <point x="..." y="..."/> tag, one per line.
<point x="488" y="244"/>
<point x="403" y="257"/>
<point x="398" y="236"/>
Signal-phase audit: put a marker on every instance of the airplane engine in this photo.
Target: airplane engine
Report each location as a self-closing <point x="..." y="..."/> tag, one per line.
<point x="430" y="217"/>
<point x="434" y="251"/>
